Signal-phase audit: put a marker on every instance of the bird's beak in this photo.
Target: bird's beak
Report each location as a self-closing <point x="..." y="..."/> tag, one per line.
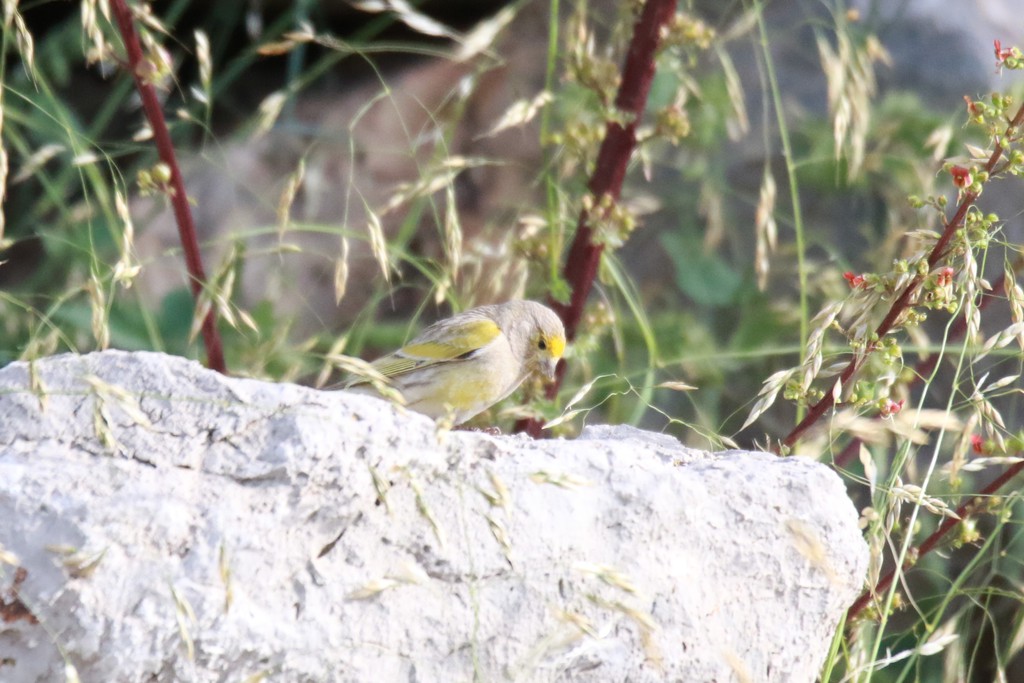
<point x="547" y="367"/>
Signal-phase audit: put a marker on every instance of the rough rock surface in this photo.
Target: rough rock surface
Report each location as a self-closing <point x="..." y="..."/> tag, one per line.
<point x="175" y="525"/>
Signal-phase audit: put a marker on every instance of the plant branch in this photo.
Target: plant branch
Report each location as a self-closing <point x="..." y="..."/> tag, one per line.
<point x="962" y="512"/>
<point x="903" y="301"/>
<point x="613" y="159"/>
<point x="925" y="366"/>
<point x="179" y="199"/>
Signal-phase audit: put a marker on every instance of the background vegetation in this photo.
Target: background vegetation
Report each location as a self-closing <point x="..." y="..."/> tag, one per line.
<point x="831" y="273"/>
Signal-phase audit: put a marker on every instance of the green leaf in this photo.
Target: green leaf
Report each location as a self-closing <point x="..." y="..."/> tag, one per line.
<point x="702" y="276"/>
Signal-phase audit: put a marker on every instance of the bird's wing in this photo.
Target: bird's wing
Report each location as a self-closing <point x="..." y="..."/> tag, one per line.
<point x="439" y="345"/>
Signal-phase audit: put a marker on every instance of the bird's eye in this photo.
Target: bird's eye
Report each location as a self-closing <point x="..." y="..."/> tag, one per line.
<point x="542" y="345"/>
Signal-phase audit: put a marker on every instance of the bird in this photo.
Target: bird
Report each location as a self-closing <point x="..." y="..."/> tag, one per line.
<point x="462" y="365"/>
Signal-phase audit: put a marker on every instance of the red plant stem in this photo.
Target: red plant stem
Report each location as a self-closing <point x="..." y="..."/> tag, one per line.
<point x="609" y="172"/>
<point x="179" y="199"/>
<point x="902" y="302"/>
<point x="614" y="154"/>
<point x="963" y="512"/>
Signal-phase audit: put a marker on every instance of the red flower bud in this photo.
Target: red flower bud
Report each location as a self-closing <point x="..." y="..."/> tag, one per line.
<point x="1002" y="53"/>
<point x="854" y="280"/>
<point x="892" y="407"/>
<point x="961" y="176"/>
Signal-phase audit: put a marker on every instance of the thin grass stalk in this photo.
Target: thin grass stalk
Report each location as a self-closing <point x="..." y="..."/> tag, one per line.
<point x="794" y="189"/>
<point x="178" y="196"/>
<point x="550" y="182"/>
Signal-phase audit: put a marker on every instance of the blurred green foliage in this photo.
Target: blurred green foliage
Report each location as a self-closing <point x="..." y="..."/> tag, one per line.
<point x="679" y="302"/>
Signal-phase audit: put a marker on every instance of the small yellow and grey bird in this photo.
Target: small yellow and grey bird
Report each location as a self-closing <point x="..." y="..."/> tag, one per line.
<point x="463" y="365"/>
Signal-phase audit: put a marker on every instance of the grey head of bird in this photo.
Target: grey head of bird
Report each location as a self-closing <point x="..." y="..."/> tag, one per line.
<point x="535" y="334"/>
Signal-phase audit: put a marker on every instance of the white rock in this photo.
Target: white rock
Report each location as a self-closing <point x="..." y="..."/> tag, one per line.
<point x="177" y="525"/>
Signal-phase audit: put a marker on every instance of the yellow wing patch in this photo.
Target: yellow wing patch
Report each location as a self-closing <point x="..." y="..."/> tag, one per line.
<point x="458" y="341"/>
<point x="444" y="345"/>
